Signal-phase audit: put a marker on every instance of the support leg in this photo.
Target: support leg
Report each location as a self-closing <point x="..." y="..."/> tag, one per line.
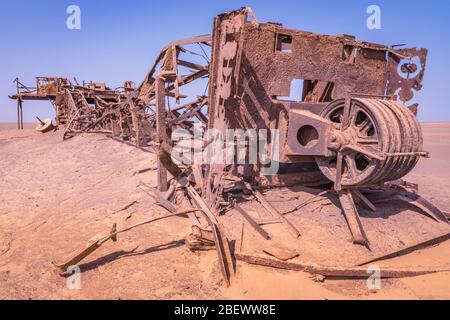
<point x="18" y="113"/>
<point x="115" y="126"/>
<point x="161" y="128"/>
<point x="136" y="128"/>
<point x="363" y="198"/>
<point x="424" y="205"/>
<point x="21" y="114"/>
<point x="413" y="199"/>
<point x="352" y="217"/>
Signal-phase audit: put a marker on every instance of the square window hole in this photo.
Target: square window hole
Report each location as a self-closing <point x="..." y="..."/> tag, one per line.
<point x="284" y="43"/>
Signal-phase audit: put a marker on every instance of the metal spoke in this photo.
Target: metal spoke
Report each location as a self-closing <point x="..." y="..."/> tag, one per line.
<point x="368" y="151"/>
<point x="339" y="165"/>
<point x="364" y="127"/>
<point x="351" y="165"/>
<point x="353" y="116"/>
<point x="347" y="114"/>
<point x="367" y="141"/>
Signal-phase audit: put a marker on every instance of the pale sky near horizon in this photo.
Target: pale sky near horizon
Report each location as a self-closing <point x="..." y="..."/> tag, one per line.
<point x="119" y="40"/>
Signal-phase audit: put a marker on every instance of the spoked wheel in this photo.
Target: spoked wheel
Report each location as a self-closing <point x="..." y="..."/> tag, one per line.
<point x="363" y="137"/>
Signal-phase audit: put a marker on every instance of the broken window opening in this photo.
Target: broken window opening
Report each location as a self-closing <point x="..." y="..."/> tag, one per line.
<point x="312" y="91"/>
<point x="230" y="37"/>
<point x="284" y="43"/>
<point x="349" y="54"/>
<point x="296" y="93"/>
<point x="317" y="91"/>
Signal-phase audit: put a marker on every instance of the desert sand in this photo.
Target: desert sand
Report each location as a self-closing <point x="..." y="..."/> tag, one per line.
<point x="56" y="195"/>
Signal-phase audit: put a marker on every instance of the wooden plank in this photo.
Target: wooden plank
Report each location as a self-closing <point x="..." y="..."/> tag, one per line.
<point x="252" y="222"/>
<point x="291" y="228"/>
<point x="185" y="116"/>
<point x="222" y="245"/>
<point x="175" y="70"/>
<point x="339" y="272"/>
<point x="409" y="249"/>
<point x="280" y="253"/>
<point x="191" y="65"/>
<point x="97" y="241"/>
<point x="198" y="176"/>
<point x="423" y="205"/>
<point x="163" y="202"/>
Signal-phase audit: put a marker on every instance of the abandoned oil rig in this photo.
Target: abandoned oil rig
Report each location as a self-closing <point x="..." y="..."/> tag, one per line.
<point x="351" y="132"/>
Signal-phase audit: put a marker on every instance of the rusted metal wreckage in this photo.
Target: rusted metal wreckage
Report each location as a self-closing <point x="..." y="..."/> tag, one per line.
<point x="352" y="127"/>
<point x="77" y="107"/>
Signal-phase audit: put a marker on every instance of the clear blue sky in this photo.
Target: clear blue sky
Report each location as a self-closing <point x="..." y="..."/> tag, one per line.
<point x="119" y="40"/>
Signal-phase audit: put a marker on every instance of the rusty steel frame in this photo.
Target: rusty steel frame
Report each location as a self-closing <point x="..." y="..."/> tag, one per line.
<point x="69" y="99"/>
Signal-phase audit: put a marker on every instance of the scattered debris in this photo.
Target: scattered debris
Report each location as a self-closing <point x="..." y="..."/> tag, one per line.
<point x="316" y="198"/>
<point x="98" y="240"/>
<point x="410" y="249"/>
<point x="144" y="170"/>
<point x="281" y="253"/>
<point x="252" y="222"/>
<point x="200" y="239"/>
<point x="5" y="244"/>
<point x="128" y="206"/>
<point x="275" y="213"/>
<point x="318" y="278"/>
<point x="45" y="125"/>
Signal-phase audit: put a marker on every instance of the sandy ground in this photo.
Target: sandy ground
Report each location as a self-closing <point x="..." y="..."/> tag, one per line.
<point x="56" y="195"/>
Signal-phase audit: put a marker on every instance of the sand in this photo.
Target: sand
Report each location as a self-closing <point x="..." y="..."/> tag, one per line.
<point x="56" y="195"/>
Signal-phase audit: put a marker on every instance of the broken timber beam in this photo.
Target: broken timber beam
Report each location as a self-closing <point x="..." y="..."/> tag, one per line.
<point x="163" y="202"/>
<point x="337" y="272"/>
<point x="99" y="240"/>
<point x="222" y="245"/>
<point x="408" y="250"/>
<point x="292" y="229"/>
<point x="252" y="222"/>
